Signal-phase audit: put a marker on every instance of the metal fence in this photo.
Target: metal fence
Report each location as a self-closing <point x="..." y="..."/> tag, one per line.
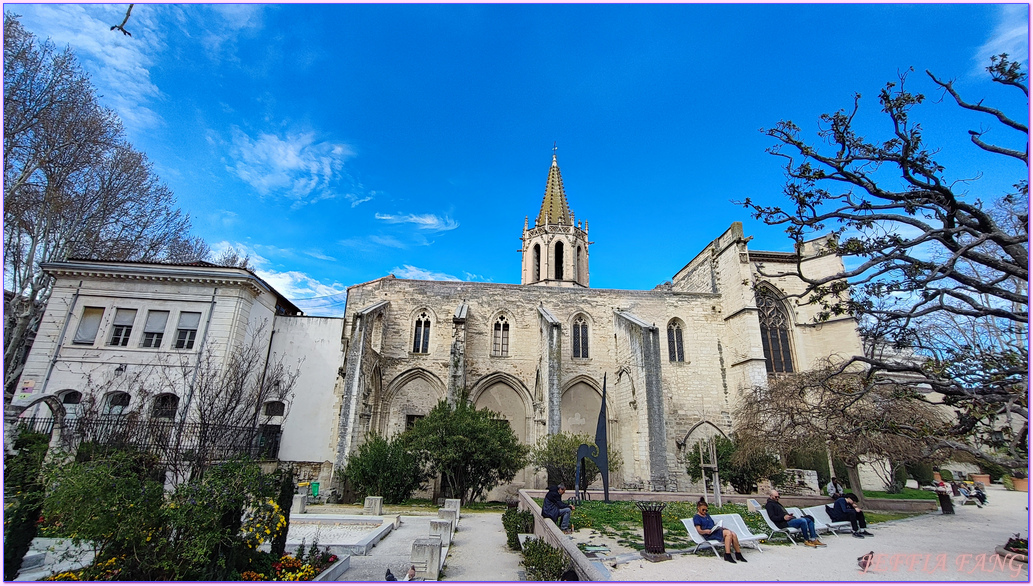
<point x="171" y="441"/>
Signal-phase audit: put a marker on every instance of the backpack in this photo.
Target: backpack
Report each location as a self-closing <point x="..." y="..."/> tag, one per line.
<point x="866" y="560"/>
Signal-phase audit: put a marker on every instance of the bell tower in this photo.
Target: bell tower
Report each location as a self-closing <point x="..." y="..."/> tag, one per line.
<point x="555" y="249"/>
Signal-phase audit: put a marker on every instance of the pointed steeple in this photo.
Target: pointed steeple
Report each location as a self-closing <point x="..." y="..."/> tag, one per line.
<point x="554" y="205"/>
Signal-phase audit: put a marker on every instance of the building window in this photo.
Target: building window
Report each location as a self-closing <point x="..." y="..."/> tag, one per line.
<point x="580" y="337"/>
<point x="117" y="404"/>
<point x="186" y="331"/>
<point x="410" y="421"/>
<point x="421" y="336"/>
<point x="675" y="346"/>
<point x="88" y="325"/>
<point x="275" y="409"/>
<point x="537" y="270"/>
<point x="500" y="338"/>
<point x="774" y="333"/>
<point x="154" y="328"/>
<point x="559" y="261"/>
<point x="124" y="319"/>
<point x="165" y="406"/>
<point x="70" y="401"/>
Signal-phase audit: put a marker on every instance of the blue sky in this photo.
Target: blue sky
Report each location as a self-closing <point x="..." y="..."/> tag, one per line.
<point x="339" y="143"/>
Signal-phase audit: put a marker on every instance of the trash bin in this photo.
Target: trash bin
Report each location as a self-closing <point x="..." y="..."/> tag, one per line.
<point x="315" y="489"/>
<point x="946" y="505"/>
<point x="652" y="525"/>
<point x="303" y="488"/>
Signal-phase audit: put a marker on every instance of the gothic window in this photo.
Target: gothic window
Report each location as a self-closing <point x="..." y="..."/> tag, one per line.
<point x="774" y="333"/>
<point x="580" y="337"/>
<point x="559" y="261"/>
<point x="577" y="264"/>
<point x="421" y="335"/>
<point x="537" y="270"/>
<point x="165" y="406"/>
<point x="500" y="337"/>
<point x="675" y="346"/>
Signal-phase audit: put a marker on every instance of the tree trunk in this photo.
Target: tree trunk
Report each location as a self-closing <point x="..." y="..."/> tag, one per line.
<point x="855" y="484"/>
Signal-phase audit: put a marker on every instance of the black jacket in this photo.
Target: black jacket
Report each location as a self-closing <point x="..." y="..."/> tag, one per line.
<point x="777" y="513"/>
<point x="553" y="503"/>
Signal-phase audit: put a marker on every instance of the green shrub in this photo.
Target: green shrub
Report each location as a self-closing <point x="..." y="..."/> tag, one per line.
<point x="810" y="459"/>
<point x="996" y="471"/>
<point x="23" y="495"/>
<point x="516" y="522"/>
<point x="1007" y="482"/>
<point x="946" y="476"/>
<point x="543" y="562"/>
<point x="386" y="468"/>
<point x="922" y="472"/>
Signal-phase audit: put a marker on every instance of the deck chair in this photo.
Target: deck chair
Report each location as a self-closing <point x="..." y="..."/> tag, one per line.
<point x="788" y="531"/>
<point x="800" y="514"/>
<point x="700" y="541"/>
<point x="822" y="520"/>
<point x="966" y="500"/>
<point x="736" y="523"/>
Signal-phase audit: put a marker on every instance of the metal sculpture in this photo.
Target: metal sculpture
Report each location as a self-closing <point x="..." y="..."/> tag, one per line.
<point x="596" y="454"/>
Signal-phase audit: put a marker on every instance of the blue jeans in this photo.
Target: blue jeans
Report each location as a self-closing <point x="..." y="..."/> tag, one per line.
<point x="806" y="526"/>
<point x="563" y="518"/>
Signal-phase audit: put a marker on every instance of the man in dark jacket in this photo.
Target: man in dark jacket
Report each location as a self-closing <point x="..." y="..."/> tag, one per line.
<point x="783" y="518"/>
<point x="554" y="508"/>
<point x="846" y="509"/>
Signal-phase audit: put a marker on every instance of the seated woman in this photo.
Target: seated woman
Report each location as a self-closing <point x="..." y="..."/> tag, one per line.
<point x="707" y="528"/>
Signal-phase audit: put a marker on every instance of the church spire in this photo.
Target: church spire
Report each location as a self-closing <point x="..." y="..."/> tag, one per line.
<point x="554" y="205"/>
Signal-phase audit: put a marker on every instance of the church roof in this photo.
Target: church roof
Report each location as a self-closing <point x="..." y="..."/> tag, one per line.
<point x="554" y="204"/>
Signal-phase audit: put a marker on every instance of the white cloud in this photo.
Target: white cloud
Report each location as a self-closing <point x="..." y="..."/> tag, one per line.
<point x="472" y="277"/>
<point x="1010" y="35"/>
<point x="319" y="254"/>
<point x="295" y="164"/>
<point x="422" y="221"/>
<point x="411" y="272"/>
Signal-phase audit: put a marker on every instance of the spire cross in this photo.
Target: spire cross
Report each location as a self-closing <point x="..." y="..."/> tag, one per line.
<point x="554" y="148"/>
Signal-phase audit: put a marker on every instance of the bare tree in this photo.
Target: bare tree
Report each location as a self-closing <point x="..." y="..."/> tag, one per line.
<point x="73" y="186"/>
<point x="859" y="415"/>
<point x="232" y="257"/>
<point x="922" y="254"/>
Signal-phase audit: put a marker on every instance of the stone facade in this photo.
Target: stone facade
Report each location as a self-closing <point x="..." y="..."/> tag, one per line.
<point x="675" y="358"/>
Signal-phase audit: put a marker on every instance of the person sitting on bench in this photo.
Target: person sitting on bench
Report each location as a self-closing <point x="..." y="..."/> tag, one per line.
<point x="554" y="508"/>
<point x="846" y="509"/>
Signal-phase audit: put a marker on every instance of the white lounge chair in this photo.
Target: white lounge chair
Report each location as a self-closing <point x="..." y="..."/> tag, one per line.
<point x="700" y="541"/>
<point x="818" y="525"/>
<point x="822" y="519"/>
<point x="736" y="523"/>
<point x="788" y="531"/>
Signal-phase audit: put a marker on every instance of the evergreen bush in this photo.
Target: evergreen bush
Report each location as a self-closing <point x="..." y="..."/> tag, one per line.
<point x="386" y="468"/>
<point x="543" y="562"/>
<point x="516" y="522"/>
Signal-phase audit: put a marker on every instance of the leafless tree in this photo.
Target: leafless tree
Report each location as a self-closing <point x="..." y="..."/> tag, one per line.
<point x="923" y="253"/>
<point x="859" y="415"/>
<point x="73" y="186"/>
<point x="232" y="257"/>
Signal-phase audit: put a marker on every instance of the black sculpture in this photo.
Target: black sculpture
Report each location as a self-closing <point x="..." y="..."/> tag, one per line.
<point x="599" y="455"/>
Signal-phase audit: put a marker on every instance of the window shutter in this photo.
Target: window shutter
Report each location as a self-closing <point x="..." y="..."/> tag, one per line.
<point x="189" y="320"/>
<point x="125" y="317"/>
<point x="88" y="325"/>
<point x="156" y="321"/>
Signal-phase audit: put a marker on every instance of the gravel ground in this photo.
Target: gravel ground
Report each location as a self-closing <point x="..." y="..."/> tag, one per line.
<point x="931" y="547"/>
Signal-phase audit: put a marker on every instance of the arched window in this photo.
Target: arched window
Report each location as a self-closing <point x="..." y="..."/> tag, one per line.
<point x="165" y="406"/>
<point x="70" y="401"/>
<point x="117" y="404"/>
<point x="536" y="272"/>
<point x="421" y="335"/>
<point x="559" y="261"/>
<point x="500" y="337"/>
<point x="580" y="337"/>
<point x="274" y="409"/>
<point x="774" y="333"/>
<point x="675" y="346"/>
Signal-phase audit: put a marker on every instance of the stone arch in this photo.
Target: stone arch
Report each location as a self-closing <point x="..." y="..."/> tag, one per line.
<point x="580" y="401"/>
<point x="507" y="395"/>
<point x="703" y="427"/>
<point x="410" y="394"/>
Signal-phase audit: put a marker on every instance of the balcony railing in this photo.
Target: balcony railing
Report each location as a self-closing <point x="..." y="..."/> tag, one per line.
<point x="171" y="441"/>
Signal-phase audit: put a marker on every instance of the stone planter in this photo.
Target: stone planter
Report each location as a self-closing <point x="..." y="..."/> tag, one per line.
<point x="984" y="478"/>
<point x="1021" y="484"/>
<point x="334" y="572"/>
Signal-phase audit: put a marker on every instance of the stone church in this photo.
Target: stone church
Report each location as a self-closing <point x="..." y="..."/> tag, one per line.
<point x="675" y="358"/>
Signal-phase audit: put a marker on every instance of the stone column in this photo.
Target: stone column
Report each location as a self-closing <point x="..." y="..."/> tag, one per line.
<point x="450" y="515"/>
<point x="426" y="556"/>
<point x="374" y="505"/>
<point x="552" y="362"/>
<point x="441" y="528"/>
<point x="454" y="505"/>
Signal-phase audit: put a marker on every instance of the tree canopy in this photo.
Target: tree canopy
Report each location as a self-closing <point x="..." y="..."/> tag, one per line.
<point x="936" y="266"/>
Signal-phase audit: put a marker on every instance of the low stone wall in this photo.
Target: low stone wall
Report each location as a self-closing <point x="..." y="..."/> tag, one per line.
<point x="903" y="505"/>
<point x="587" y="570"/>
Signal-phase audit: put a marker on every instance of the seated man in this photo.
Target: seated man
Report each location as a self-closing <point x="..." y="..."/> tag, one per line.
<point x="965" y="492"/>
<point x="846" y="509"/>
<point x="783" y="518"/>
<point x="834" y="488"/>
<point x="554" y="508"/>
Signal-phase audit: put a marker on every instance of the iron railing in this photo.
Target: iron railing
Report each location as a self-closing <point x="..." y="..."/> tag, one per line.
<point x="170" y="440"/>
